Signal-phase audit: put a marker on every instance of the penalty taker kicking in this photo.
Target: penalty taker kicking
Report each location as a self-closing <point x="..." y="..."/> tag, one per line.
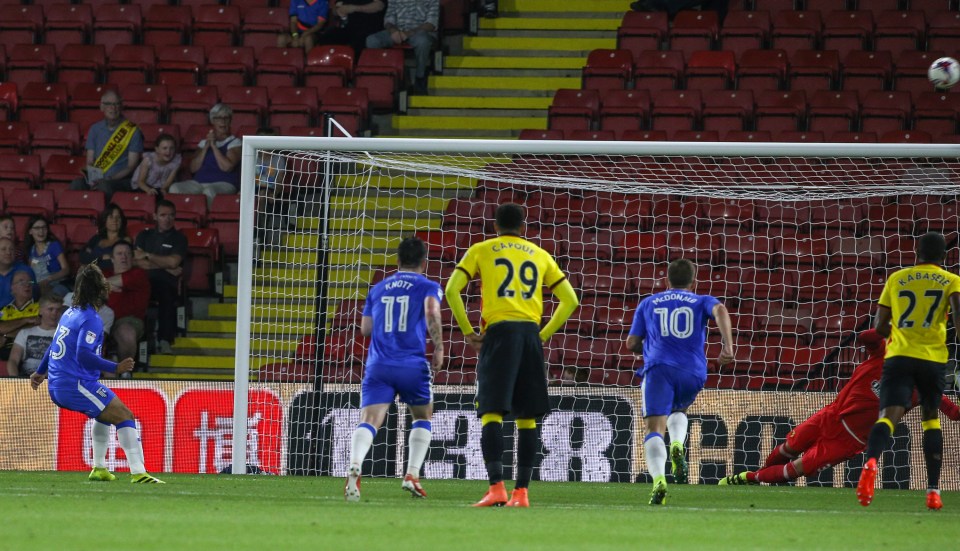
<point x="398" y="313"/>
<point x="72" y="365"/>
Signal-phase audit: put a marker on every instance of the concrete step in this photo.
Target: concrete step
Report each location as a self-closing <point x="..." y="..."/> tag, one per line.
<point x="441" y="83"/>
<point x="289" y="330"/>
<point x="550" y="24"/>
<point x="435" y="182"/>
<point x="513" y="62"/>
<point x="478" y="102"/>
<point x="572" y="47"/>
<point x="303" y="292"/>
<point x="552" y="6"/>
<point x="478" y="122"/>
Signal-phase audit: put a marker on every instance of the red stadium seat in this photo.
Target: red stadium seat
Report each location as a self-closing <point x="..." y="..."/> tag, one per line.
<point x="644" y="135"/>
<point x="19" y="171"/>
<point x="939" y="217"/>
<point x="657" y="70"/>
<point x="31" y="63"/>
<point x="853" y="137"/>
<point x="622" y="110"/>
<point x="748" y="250"/>
<point x="747" y="136"/>
<point x="181" y="65"/>
<point x="190" y="208"/>
<point x="8" y="100"/>
<point x="14" y="138"/>
<point x="55" y="137"/>
<point x="820" y="286"/>
<point x="624" y="211"/>
<point x="230" y="65"/>
<point x="262" y="24"/>
<point x="650" y="278"/>
<point x="676" y="110"/>
<point x="710" y="70"/>
<point x="167" y="25"/>
<point x="814" y="70"/>
<point x="910" y="71"/>
<point x="21" y="24"/>
<point x="131" y="64"/>
<point x="349" y="107"/>
<point x="608" y="70"/>
<point x="906" y="136"/>
<point x="763" y="284"/>
<point x="833" y="111"/>
<point x="693" y="30"/>
<point x="897" y="31"/>
<point x="43" y="102"/>
<point x="280" y="67"/>
<point x="81" y="63"/>
<point x="641" y="31"/>
<point x="944" y="32"/>
<point x="63" y="169"/>
<point x="643" y="246"/>
<point x="882" y="111"/>
<point x="581" y="244"/>
<point x="795" y="30"/>
<point x="745" y="30"/>
<point x="249" y="104"/>
<point x="781" y="110"/>
<point x="68" y="24"/>
<point x="86" y="204"/>
<point x="865" y="71"/>
<point x="380" y="71"/>
<point x="117" y="24"/>
<point x="190" y="105"/>
<point x="152" y="131"/>
<point x="136" y="205"/>
<point x="31" y="202"/>
<point x="845" y="31"/>
<point x="144" y="103"/>
<point x="700" y="248"/>
<point x="937" y="113"/>
<point x="600" y="279"/>
<point x="592" y="135"/>
<point x="204" y="272"/>
<point x="215" y="25"/>
<point x="573" y="109"/>
<point x="290" y="106"/>
<point x="726" y="110"/>
<point x="760" y="70"/>
<point x="533" y="134"/>
<point x="803" y="252"/>
<point x="857" y="251"/>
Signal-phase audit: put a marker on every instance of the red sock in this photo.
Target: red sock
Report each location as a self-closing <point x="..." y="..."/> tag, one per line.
<point x="778" y="457"/>
<point x="774" y="474"/>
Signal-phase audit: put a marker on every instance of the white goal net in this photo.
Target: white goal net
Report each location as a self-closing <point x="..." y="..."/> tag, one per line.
<point x="797" y="240"/>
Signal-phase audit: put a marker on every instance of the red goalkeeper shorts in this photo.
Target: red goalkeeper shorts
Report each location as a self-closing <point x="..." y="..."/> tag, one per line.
<point x="823" y="441"/>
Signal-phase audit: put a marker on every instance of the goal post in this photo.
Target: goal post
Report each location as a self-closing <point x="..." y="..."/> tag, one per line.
<point x="794" y="237"/>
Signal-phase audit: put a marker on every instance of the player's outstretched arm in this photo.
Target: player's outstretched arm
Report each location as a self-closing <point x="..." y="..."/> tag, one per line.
<point x="722" y="316"/>
<point x="455" y="285"/>
<point x="568" y="303"/>
<point x="434" y="328"/>
<point x="951" y="410"/>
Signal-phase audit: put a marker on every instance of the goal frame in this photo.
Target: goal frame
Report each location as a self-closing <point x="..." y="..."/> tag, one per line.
<point x="253" y="144"/>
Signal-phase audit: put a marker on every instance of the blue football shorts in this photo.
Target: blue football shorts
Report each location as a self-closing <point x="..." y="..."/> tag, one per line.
<point x="87" y="397"/>
<point x="667" y="389"/>
<point x="382" y="383"/>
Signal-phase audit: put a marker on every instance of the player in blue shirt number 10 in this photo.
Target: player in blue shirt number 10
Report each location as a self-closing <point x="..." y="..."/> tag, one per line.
<point x="670" y="330"/>
<point x="72" y="366"/>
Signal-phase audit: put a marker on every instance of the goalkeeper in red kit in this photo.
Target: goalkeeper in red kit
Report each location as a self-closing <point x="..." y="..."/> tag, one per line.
<point x="837" y="432"/>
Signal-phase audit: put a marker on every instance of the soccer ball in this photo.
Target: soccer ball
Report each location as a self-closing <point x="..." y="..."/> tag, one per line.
<point x="944" y="73"/>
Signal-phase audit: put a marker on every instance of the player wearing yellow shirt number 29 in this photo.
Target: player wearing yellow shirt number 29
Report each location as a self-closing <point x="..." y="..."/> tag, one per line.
<point x="913" y="313"/>
<point x="511" y="378"/>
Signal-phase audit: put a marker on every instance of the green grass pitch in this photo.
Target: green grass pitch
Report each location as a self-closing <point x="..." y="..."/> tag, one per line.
<point x="63" y="511"/>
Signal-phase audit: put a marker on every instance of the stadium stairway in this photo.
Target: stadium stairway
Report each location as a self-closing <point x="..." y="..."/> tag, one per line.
<point x="503" y="80"/>
<point x="365" y="234"/>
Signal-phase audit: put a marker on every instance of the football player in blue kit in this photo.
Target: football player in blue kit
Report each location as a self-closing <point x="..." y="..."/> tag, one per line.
<point x="72" y="366"/>
<point x="669" y="329"/>
<point x="397" y="315"/>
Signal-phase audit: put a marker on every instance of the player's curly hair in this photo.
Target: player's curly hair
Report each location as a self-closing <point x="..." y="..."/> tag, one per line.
<point x="509" y="217"/>
<point x="91" y="287"/>
<point x="931" y="247"/>
<point x="411" y="252"/>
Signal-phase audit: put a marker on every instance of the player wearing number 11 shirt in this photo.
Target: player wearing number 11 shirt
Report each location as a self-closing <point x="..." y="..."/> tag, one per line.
<point x="510" y="375"/>
<point x="669" y="328"/>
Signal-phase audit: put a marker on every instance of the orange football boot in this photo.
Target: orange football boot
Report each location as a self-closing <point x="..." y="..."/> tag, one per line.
<point x="868" y="478"/>
<point x="519" y="498"/>
<point x="496" y="496"/>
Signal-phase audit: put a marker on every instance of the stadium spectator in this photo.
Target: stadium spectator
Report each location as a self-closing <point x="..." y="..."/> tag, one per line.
<point x="111" y="229"/>
<point x="161" y="252"/>
<point x="106" y="317"/>
<point x="158" y="169"/>
<point x="8" y="268"/>
<point x="412" y="22"/>
<point x="8" y="230"/>
<point x="358" y="19"/>
<point x="511" y="376"/>
<point x="114" y="146"/>
<point x="836" y="433"/>
<point x="397" y="361"/>
<point x="917" y="297"/>
<point x="47" y="257"/>
<point x="216" y="164"/>
<point x="74" y="367"/>
<point x="129" y="299"/>
<point x="17" y="314"/>
<point x="307" y="19"/>
<point x="32" y="342"/>
<point x="669" y="329"/>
